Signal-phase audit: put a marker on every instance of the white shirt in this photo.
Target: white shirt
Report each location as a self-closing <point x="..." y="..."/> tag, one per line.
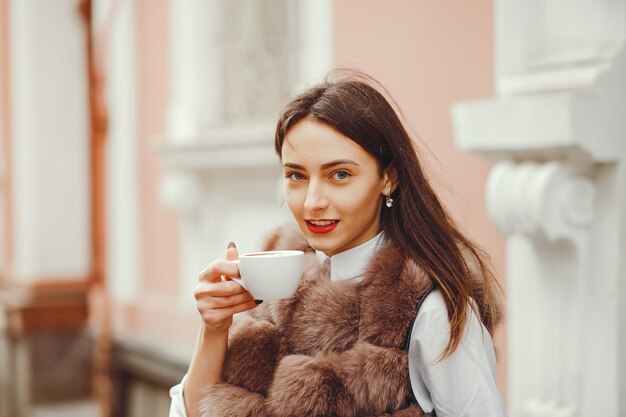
<point x="462" y="385"/>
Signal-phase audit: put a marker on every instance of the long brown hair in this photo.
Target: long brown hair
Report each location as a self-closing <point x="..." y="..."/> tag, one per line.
<point x="417" y="223"/>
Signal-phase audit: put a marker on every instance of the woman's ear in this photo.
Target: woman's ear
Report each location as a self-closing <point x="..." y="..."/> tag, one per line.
<point x="390" y="178"/>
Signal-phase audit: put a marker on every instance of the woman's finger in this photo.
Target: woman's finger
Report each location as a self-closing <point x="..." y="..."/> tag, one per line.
<point x="216" y="269"/>
<point x="215" y="318"/>
<point x="218" y="289"/>
<point x="231" y="252"/>
<point x="221" y="314"/>
<point x="210" y="302"/>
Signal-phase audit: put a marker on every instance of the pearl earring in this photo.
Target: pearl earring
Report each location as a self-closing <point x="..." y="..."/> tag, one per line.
<point x="389" y="200"/>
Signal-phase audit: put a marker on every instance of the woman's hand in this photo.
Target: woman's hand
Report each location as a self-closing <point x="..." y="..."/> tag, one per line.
<point x="217" y="297"/>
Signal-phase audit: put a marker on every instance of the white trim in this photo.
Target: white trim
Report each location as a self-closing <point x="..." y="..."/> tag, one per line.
<point x="123" y="248"/>
<point x="222" y="148"/>
<point x="50" y="146"/>
<point x="315" y="47"/>
<point x="3" y="171"/>
<point x="194" y="67"/>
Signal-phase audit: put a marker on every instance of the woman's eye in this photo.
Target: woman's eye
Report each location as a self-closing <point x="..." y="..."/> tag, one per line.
<point x="294" y="176"/>
<point x="341" y="175"/>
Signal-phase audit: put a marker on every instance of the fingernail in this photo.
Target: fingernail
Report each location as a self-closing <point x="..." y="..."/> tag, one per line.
<point x="232" y="245"/>
<point x="258" y="302"/>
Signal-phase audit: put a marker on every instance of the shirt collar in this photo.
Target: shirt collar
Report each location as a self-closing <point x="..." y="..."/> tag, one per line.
<point x="352" y="263"/>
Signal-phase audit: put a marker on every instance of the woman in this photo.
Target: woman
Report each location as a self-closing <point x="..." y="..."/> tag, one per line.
<point x="396" y="308"/>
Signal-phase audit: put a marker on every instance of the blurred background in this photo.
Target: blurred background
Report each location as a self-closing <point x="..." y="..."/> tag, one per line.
<point x="136" y="141"/>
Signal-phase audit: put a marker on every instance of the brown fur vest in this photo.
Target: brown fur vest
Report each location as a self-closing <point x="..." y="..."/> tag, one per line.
<point x="334" y="349"/>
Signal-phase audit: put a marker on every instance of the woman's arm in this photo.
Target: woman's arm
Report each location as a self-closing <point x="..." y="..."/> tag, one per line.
<point x="205" y="368"/>
<point x="464" y="383"/>
<point x="218" y="299"/>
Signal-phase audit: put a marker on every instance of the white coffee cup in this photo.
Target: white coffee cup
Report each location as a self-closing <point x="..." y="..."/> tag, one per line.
<point x="270" y="275"/>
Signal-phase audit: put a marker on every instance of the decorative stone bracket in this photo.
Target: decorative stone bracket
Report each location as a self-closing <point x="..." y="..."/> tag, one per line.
<point x="546" y="210"/>
<point x="556" y="133"/>
<point x="554" y="200"/>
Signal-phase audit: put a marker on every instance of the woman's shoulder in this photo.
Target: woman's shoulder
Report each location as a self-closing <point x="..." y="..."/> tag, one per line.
<point x="433" y="303"/>
<point x="432" y="315"/>
<point x="432" y="318"/>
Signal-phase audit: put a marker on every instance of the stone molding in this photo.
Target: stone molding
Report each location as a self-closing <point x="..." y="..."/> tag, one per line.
<point x="222" y="148"/>
<point x="553" y="199"/>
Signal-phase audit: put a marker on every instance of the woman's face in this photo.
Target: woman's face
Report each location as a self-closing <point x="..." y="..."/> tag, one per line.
<point x="332" y="186"/>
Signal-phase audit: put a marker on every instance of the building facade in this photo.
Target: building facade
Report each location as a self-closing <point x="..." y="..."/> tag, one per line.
<point x="136" y="141"/>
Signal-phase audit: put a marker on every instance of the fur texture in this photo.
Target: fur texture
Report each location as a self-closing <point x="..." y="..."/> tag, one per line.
<point x="334" y="349"/>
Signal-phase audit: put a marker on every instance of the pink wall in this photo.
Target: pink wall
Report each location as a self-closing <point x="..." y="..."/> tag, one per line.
<point x="158" y="227"/>
<point x="156" y="314"/>
<point x="429" y="55"/>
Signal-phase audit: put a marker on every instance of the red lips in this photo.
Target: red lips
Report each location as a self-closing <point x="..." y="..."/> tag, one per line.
<point x="322" y="229"/>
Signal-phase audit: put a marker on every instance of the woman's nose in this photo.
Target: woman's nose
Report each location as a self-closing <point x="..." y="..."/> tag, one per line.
<point x="315" y="198"/>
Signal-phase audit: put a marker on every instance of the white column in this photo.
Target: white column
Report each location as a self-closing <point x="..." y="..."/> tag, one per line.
<point x="195" y="68"/>
<point x="557" y="192"/>
<point x="115" y="20"/>
<point x="50" y="141"/>
<point x="3" y="160"/>
<point x="315" y="53"/>
<point x="184" y="195"/>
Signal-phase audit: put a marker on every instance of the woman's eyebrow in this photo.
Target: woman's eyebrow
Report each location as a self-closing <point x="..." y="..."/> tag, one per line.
<point x="292" y="165"/>
<point x="324" y="166"/>
<point x="338" y="162"/>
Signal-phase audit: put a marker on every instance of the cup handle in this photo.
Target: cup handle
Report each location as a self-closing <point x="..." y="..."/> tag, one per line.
<point x="238" y="280"/>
